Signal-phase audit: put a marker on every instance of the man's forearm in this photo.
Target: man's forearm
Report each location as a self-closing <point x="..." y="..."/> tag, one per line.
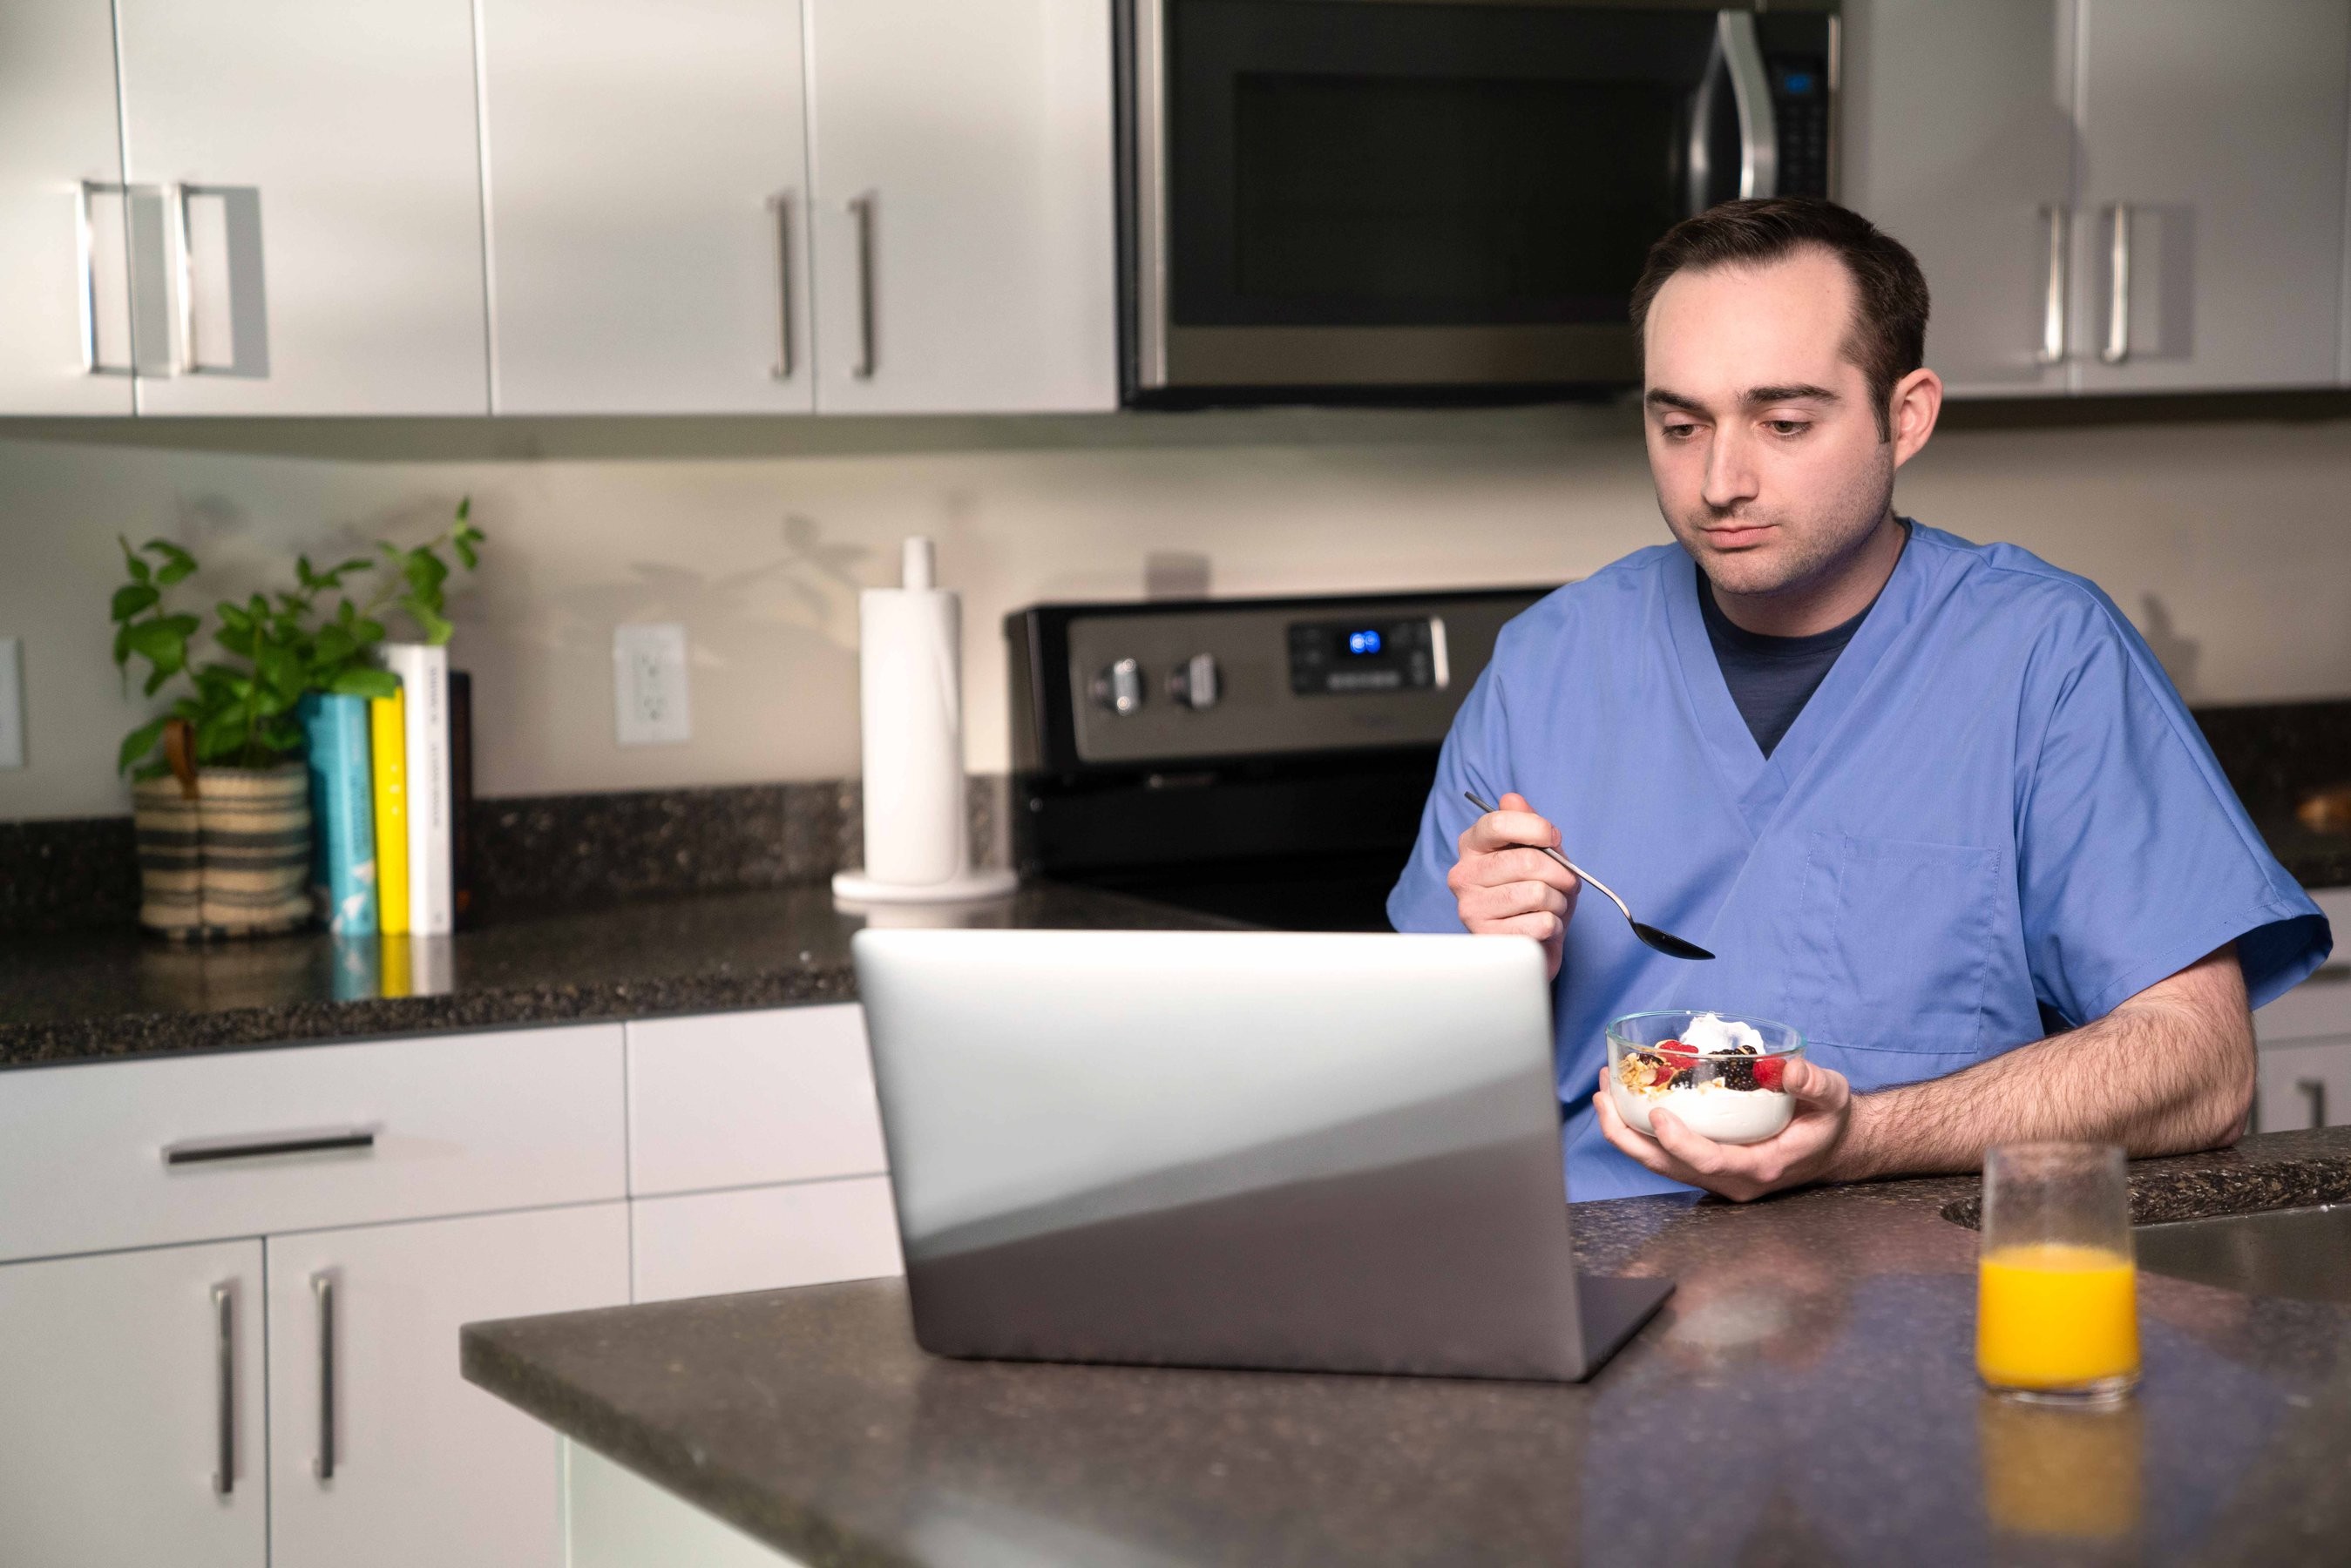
<point x="2169" y="1070"/>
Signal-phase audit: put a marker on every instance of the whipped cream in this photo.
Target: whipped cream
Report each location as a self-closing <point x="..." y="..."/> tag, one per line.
<point x="1711" y="1034"/>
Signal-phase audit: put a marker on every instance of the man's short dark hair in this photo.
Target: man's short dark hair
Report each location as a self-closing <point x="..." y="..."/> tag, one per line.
<point x="1888" y="339"/>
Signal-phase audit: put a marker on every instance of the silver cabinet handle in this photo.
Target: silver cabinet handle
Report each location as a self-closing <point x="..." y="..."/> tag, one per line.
<point x="184" y="359"/>
<point x="87" y="254"/>
<point x="861" y="208"/>
<point x="2052" y="302"/>
<point x="1151" y="193"/>
<point x="2314" y="1095"/>
<point x="1750" y="97"/>
<point x="2329" y="974"/>
<point x="204" y="1150"/>
<point x="780" y="205"/>
<point x="322" y="1289"/>
<point x="2119" y="287"/>
<point x="224" y="1323"/>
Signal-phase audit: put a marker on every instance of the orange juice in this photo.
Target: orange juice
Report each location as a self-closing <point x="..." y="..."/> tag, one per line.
<point x="2053" y="1315"/>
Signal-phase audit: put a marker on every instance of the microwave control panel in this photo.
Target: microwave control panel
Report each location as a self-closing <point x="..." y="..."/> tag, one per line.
<point x="1799" y="53"/>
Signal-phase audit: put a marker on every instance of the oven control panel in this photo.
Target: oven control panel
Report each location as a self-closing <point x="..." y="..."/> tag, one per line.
<point x="1149" y="684"/>
<point x="1334" y="657"/>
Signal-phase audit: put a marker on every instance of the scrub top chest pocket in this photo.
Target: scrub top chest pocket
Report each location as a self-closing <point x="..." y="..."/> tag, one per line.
<point x="1895" y="944"/>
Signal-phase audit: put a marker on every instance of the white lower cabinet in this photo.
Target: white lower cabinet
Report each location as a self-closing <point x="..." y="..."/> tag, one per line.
<point x="614" y="1518"/>
<point x="2305" y="1084"/>
<point x="386" y="1193"/>
<point x="764" y="1239"/>
<point x="379" y="1452"/>
<point x="130" y="1409"/>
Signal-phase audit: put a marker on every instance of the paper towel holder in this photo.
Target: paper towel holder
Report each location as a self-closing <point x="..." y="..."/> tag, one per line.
<point x="967" y="884"/>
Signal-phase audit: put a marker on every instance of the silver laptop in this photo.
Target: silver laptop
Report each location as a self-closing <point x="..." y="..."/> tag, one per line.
<point x="1233" y="1149"/>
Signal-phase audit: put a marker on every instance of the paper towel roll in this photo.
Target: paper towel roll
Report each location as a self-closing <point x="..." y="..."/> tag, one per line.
<point x="910" y="680"/>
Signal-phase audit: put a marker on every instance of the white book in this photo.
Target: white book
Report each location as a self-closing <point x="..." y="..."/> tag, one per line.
<point x="424" y="673"/>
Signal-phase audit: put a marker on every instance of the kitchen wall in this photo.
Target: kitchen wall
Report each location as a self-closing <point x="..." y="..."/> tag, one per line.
<point x="2225" y="541"/>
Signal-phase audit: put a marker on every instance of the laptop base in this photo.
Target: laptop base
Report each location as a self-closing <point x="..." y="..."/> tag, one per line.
<point x="1612" y="1311"/>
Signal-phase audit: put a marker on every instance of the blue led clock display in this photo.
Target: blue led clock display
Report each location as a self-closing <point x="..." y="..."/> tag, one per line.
<point x="1365" y="641"/>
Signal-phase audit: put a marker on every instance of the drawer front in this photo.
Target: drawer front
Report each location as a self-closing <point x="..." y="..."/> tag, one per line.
<point x="2321" y="1005"/>
<point x="397" y="1129"/>
<point x="764" y="1239"/>
<point x="747" y="1099"/>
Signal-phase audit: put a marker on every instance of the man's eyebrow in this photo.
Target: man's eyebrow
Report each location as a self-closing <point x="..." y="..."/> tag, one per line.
<point x="1658" y="397"/>
<point x="1798" y="392"/>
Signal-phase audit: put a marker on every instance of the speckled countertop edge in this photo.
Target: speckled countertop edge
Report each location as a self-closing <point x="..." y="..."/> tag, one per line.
<point x="149" y="1034"/>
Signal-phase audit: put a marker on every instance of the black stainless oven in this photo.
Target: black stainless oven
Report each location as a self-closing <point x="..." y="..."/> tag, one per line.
<point x="1379" y="197"/>
<point x="1264" y="759"/>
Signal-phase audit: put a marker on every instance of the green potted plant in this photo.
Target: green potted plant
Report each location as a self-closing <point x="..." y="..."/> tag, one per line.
<point x="220" y="794"/>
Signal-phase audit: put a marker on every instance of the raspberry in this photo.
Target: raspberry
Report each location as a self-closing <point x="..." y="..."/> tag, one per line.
<point x="1771" y="1072"/>
<point x="1676" y="1056"/>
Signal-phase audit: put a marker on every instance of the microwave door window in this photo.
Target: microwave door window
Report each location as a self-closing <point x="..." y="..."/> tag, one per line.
<point x="1412" y="201"/>
<point x="1401" y="166"/>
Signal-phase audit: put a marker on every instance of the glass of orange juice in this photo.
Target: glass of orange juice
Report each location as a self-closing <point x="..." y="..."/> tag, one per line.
<point x="2057" y="1292"/>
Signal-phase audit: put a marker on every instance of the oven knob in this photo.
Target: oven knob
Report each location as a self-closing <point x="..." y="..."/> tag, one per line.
<point x="1120" y="688"/>
<point x="1195" y="684"/>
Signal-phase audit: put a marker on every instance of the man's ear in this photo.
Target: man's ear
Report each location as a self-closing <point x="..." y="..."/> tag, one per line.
<point x="1915" y="404"/>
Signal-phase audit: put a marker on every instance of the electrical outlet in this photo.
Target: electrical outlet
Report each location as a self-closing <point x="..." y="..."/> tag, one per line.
<point x="11" y="703"/>
<point x="648" y="694"/>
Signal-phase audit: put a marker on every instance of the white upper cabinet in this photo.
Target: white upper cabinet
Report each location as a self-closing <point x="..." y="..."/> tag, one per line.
<point x="648" y="206"/>
<point x="961" y="157"/>
<point x="61" y="259"/>
<point x="322" y="163"/>
<point x="2215" y="132"/>
<point x="1958" y="140"/>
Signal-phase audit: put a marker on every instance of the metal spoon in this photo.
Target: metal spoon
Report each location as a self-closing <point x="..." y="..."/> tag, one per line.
<point x="1664" y="942"/>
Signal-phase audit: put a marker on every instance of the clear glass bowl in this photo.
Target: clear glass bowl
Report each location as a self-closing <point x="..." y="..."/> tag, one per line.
<point x="1730" y="1099"/>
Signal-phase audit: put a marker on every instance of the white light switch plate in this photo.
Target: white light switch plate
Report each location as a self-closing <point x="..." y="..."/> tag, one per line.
<point x="11" y="703"/>
<point x="649" y="687"/>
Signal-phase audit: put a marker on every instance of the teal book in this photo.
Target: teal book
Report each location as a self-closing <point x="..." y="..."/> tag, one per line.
<point x="342" y="789"/>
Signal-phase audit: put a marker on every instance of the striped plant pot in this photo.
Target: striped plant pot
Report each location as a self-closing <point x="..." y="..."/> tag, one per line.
<point x="234" y="860"/>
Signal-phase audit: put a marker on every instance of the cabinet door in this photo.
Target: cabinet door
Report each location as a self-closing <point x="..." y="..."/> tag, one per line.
<point x="2303" y="1085"/>
<point x="1958" y="140"/>
<point x="425" y="1468"/>
<point x="334" y="206"/>
<point x="67" y="309"/>
<point x="2217" y="132"/>
<point x="123" y="1395"/>
<point x="960" y="151"/>
<point x="648" y="200"/>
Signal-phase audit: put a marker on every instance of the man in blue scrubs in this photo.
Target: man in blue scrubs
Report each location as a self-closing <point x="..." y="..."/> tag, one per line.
<point x="1932" y="802"/>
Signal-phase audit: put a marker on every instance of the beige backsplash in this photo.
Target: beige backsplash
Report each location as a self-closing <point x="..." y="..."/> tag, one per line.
<point x="2226" y="543"/>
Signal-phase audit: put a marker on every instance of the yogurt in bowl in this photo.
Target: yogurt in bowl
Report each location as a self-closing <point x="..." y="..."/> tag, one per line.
<point x="1718" y="1073"/>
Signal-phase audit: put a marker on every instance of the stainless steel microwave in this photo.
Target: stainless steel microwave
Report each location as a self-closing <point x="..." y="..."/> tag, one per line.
<point x="1415" y="199"/>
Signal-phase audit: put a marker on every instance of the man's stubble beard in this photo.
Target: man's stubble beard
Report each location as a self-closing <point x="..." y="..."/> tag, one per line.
<point x="1807" y="555"/>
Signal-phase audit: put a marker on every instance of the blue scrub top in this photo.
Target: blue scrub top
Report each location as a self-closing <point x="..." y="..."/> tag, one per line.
<point x="1994" y="804"/>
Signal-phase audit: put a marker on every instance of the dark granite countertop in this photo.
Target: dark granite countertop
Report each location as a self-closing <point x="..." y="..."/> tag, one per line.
<point x="1807" y="1395"/>
<point x="84" y="996"/>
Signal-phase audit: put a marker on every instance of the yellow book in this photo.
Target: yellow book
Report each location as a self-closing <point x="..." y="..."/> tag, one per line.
<point x="397" y="978"/>
<point x="388" y="731"/>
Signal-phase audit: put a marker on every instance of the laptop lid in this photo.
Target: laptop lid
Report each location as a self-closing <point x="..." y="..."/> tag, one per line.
<point x="1218" y="1148"/>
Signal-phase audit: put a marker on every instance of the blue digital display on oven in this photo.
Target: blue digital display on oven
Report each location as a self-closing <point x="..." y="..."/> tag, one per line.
<point x="1797" y="83"/>
<point x="1363" y="642"/>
